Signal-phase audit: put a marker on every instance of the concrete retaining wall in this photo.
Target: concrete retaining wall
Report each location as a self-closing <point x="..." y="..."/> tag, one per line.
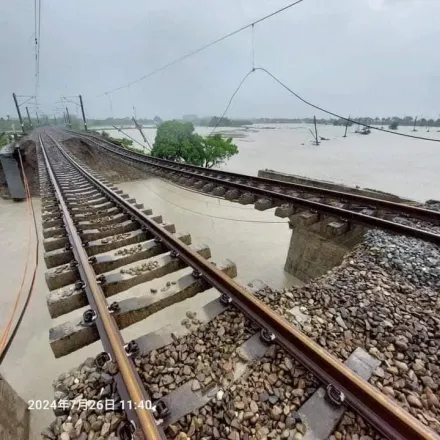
<point x="312" y="252"/>
<point x="14" y="414"/>
<point x="271" y="174"/>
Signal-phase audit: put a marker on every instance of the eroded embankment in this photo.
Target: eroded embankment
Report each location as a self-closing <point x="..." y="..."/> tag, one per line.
<point x="113" y="169"/>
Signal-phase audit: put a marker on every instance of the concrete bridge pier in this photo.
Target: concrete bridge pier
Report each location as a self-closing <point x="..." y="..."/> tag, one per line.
<point x="318" y="243"/>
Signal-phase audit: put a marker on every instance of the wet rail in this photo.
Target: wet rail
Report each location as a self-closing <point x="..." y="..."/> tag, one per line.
<point x="366" y="211"/>
<point x="99" y="314"/>
<point x="66" y="173"/>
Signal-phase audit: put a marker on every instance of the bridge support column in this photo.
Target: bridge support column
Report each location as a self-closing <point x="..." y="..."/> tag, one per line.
<point x="318" y="244"/>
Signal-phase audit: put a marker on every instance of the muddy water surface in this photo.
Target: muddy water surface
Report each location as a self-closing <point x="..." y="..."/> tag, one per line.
<point x="256" y="241"/>
<point x="403" y="166"/>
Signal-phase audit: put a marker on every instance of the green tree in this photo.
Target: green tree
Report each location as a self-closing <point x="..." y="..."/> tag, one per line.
<point x="177" y="141"/>
<point x="216" y="150"/>
<point x="393" y="125"/>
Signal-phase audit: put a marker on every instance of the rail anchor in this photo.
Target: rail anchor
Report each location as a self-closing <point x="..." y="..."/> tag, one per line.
<point x="132" y="348"/>
<point x="89" y="317"/>
<point x="102" y="359"/>
<point x="267" y="336"/>
<point x="334" y="396"/>
<point x="160" y="411"/>
<point x="114" y="307"/>
<point x="225" y="299"/>
<point x="126" y="431"/>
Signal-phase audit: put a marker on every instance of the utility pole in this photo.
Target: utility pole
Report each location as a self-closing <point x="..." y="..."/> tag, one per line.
<point x="69" y="123"/>
<point x="346" y="126"/>
<point x="38" y="119"/>
<point x="29" y="118"/>
<point x="18" y="111"/>
<point x="82" y="111"/>
<point x="415" y="122"/>
<point x="316" y="130"/>
<point x="55" y="119"/>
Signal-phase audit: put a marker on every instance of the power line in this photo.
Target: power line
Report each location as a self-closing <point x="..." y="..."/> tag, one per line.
<point x="206" y="46"/>
<point x="339" y="116"/>
<point x="37" y="24"/>
<point x="314" y="106"/>
<point x="231" y="99"/>
<point x="36" y="44"/>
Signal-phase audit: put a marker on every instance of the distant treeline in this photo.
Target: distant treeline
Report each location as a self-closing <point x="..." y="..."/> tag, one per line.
<point x="108" y="122"/>
<point x="7" y="123"/>
<point x="215" y="121"/>
<point x="407" y="120"/>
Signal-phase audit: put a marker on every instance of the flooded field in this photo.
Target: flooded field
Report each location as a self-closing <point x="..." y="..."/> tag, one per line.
<point x="403" y="166"/>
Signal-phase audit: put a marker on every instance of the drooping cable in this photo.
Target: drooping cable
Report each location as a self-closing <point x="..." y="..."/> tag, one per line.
<point x="231" y="99"/>
<point x="262" y="69"/>
<point x="339" y="116"/>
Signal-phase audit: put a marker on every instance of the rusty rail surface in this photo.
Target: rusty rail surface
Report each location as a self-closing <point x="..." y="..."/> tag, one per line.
<point x="343" y="213"/>
<point x="129" y="384"/>
<point x="387" y="417"/>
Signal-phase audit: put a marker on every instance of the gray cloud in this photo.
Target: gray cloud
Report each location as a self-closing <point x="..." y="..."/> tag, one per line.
<point x="365" y="57"/>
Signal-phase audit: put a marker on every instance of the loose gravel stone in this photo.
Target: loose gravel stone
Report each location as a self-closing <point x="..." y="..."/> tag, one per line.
<point x="384" y="297"/>
<point x="241" y="414"/>
<point x="90" y="383"/>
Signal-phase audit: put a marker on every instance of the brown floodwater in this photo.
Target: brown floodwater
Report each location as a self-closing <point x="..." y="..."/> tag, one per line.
<point x="403" y="166"/>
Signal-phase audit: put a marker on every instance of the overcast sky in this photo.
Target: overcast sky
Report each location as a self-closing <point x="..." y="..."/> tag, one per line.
<point x="358" y="57"/>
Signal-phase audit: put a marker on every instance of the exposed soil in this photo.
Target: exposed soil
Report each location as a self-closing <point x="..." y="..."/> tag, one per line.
<point x="4" y="193"/>
<point x="112" y="169"/>
<point x="30" y="164"/>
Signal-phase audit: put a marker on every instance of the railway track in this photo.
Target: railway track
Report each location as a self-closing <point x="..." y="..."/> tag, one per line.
<point x="99" y="242"/>
<point x="341" y="208"/>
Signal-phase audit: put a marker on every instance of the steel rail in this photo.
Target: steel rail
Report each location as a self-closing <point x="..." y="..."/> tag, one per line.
<point x="356" y="217"/>
<point x="130" y="386"/>
<point x="414" y="211"/>
<point x="388" y="418"/>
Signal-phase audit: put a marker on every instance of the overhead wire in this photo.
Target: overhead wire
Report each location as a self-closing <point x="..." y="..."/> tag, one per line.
<point x="38" y="52"/>
<point x="36" y="44"/>
<point x="231" y="99"/>
<point x="253" y="48"/>
<point x="200" y="49"/>
<point x="339" y="116"/>
<point x="27" y="100"/>
<point x="262" y="69"/>
<point x="252" y="26"/>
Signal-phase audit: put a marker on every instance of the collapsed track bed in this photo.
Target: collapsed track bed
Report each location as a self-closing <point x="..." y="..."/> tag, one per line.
<point x="114" y="245"/>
